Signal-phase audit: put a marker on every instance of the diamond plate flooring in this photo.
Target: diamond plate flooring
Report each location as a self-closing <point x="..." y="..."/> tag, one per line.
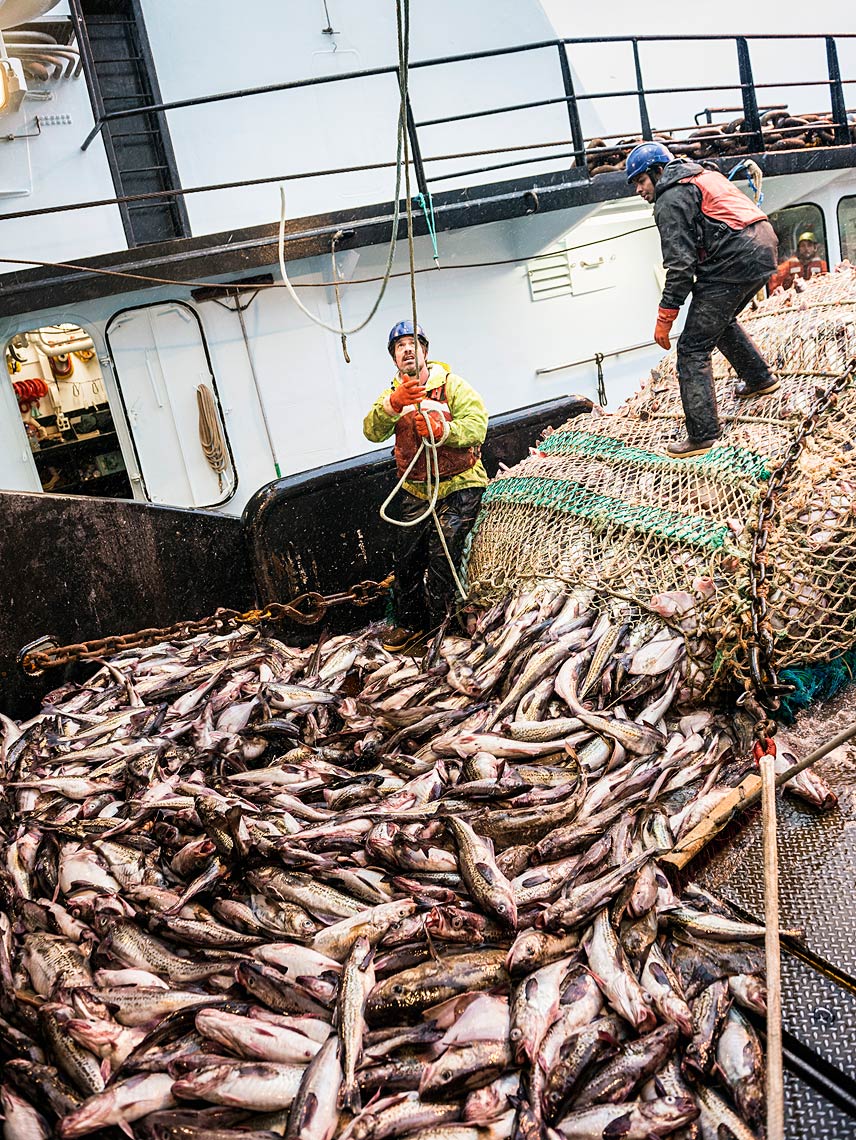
<point x="809" y="1116"/>
<point x="817" y="872"/>
<point x="817" y="880"/>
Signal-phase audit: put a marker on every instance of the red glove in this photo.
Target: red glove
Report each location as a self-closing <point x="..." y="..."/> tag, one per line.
<point x="438" y="426"/>
<point x="665" y="320"/>
<point x="409" y="391"/>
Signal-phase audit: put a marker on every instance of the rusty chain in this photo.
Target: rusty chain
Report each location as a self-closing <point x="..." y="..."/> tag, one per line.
<point x="305" y="609"/>
<point x="766" y="688"/>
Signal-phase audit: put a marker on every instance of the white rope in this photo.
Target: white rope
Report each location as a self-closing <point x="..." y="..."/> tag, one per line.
<point x="340" y="329"/>
<point x="432" y="480"/>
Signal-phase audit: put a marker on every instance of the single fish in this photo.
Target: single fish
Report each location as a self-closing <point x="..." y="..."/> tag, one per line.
<point x="122" y="1103"/>
<point x="634" y="1120"/>
<point x="406" y="994"/>
<point x="257" y="1085"/>
<point x="314" y="1112"/>
<point x="486" y="883"/>
<point x="256" y="1040"/>
<point x="609" y="964"/>
<point x="358" y="980"/>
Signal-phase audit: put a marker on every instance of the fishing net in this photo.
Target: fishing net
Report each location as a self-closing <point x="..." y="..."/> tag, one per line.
<point x="600" y="505"/>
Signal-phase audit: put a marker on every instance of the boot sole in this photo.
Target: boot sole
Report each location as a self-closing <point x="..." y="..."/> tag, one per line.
<point x="760" y="392"/>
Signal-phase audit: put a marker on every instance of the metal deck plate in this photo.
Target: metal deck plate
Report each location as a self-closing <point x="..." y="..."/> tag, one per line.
<point x="817" y="884"/>
<point x="817" y="879"/>
<point x="809" y="1116"/>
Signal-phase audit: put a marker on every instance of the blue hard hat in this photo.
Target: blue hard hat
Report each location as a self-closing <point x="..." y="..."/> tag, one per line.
<point x="644" y="156"/>
<point x="405" y="328"/>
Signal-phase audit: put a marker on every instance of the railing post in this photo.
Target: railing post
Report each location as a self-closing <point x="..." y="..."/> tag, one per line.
<point x="573" y="109"/>
<point x="836" y="93"/>
<point x="752" y="120"/>
<point x="644" y="121"/>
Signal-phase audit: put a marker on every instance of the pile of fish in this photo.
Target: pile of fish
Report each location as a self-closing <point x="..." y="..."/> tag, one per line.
<point x="250" y="890"/>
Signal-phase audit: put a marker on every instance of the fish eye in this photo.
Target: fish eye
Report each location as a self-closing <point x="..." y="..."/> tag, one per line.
<point x="397" y="989"/>
<point x="446" y="1075"/>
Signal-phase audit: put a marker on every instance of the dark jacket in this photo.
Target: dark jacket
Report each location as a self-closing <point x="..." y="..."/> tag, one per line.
<point x="698" y="248"/>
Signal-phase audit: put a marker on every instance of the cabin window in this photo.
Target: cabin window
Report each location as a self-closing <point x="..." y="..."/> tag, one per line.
<point x="847" y="228"/>
<point x="65" y="412"/>
<point x="802" y="244"/>
<point x="172" y="406"/>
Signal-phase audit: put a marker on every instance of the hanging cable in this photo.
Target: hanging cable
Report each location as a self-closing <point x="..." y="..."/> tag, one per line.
<point x="337" y="237"/>
<point x="428" y="445"/>
<point x="428" y="213"/>
<point x="341" y="330"/>
<point x="190" y="284"/>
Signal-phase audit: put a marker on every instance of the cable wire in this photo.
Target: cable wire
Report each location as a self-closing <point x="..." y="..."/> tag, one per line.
<point x="428" y="445"/>
<point x="257" y="285"/>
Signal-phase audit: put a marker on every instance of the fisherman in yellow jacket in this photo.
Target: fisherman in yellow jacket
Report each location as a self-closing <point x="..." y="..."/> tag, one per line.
<point x="457" y="423"/>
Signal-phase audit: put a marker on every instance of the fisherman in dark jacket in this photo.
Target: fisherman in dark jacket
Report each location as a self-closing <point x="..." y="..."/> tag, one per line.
<point x="720" y="247"/>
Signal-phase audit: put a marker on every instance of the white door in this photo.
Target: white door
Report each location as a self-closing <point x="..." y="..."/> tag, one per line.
<point x="161" y="365"/>
<point x="17" y="466"/>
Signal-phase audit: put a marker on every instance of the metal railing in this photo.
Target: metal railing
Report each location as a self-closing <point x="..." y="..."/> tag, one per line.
<point x="751" y="135"/>
<point x="746" y="85"/>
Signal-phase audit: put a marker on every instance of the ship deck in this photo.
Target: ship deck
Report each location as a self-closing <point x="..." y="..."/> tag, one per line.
<point x="817" y="861"/>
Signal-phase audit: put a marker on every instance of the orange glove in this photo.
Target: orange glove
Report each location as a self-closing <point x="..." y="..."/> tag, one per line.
<point x="665" y="320"/>
<point x="409" y="391"/>
<point x="439" y="426"/>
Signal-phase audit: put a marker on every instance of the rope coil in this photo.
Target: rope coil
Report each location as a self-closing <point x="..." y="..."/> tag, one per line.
<point x="211" y="437"/>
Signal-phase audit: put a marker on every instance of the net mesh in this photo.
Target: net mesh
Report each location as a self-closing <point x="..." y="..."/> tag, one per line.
<point x="599" y="505"/>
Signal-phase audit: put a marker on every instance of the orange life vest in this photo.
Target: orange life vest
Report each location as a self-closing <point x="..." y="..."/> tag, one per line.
<point x="723" y="202"/>
<point x="451" y="460"/>
<point x="793" y="268"/>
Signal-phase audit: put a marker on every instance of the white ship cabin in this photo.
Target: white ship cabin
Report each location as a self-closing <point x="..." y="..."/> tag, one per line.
<point x="151" y="349"/>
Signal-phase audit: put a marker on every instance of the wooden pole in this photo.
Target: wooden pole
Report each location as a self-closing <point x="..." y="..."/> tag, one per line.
<point x="772" y="952"/>
<point x="746" y="793"/>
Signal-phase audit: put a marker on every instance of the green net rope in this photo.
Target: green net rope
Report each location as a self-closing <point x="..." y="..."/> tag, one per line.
<point x="573" y="499"/>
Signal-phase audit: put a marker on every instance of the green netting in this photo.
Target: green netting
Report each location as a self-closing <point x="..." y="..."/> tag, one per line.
<point x="600" y="505"/>
<point x="574" y="499"/>
<point x="732" y="462"/>
<point x="816" y="682"/>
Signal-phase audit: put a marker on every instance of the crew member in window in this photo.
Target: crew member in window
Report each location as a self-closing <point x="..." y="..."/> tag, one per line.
<point x="805" y="263"/>
<point x="719" y="246"/>
<point x="456" y="424"/>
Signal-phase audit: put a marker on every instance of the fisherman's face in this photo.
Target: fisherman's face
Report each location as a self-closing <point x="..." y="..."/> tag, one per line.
<point x="644" y="187"/>
<point x="404" y="354"/>
<point x="807" y="250"/>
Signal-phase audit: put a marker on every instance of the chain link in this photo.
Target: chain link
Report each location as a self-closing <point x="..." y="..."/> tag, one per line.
<point x="305" y="609"/>
<point x="764" y="677"/>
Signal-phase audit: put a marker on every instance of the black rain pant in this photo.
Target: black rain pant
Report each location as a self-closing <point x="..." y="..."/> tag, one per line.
<point x="712" y="323"/>
<point x="424" y="586"/>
